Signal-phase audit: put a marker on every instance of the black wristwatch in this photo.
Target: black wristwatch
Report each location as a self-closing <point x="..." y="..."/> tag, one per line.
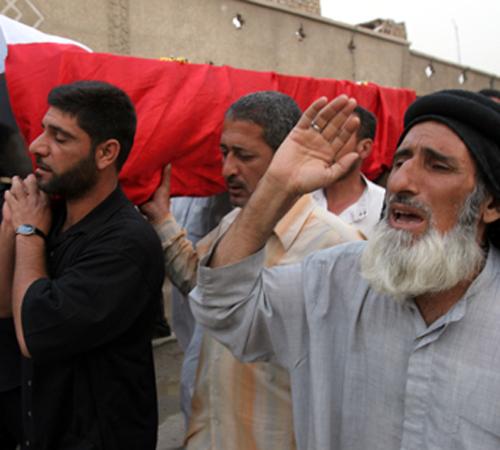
<point x="30" y="230"/>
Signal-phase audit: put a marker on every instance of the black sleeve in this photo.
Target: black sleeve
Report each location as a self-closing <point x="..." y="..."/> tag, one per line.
<point x="10" y="356"/>
<point x="106" y="291"/>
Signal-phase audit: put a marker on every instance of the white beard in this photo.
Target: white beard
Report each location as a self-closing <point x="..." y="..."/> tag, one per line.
<point x="396" y="263"/>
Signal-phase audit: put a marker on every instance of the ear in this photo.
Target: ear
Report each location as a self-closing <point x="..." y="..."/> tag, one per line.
<point x="364" y="147"/>
<point x="491" y="211"/>
<point x="106" y="153"/>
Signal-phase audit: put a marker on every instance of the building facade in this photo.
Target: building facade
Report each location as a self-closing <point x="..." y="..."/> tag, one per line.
<point x="286" y="36"/>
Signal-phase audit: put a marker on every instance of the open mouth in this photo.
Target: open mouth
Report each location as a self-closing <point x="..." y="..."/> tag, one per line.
<point x="403" y="217"/>
<point x="406" y="217"/>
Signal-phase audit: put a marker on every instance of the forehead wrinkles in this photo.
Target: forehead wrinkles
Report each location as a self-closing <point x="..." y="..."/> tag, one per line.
<point x="440" y="138"/>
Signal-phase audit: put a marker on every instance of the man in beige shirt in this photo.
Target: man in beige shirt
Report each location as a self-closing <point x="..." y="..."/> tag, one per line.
<point x="236" y="405"/>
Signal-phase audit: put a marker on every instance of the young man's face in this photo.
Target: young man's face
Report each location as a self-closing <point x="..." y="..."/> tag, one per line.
<point x="64" y="156"/>
<point x="246" y="157"/>
<point x="433" y="167"/>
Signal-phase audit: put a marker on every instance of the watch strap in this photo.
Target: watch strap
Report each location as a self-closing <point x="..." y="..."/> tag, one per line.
<point x="30" y="230"/>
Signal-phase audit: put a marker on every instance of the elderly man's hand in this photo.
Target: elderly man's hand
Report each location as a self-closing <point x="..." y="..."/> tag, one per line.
<point x="307" y="158"/>
<point x="157" y="210"/>
<point x="28" y="205"/>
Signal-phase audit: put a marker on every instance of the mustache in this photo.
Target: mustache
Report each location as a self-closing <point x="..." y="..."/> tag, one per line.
<point x="234" y="182"/>
<point x="41" y="165"/>
<point x="407" y="200"/>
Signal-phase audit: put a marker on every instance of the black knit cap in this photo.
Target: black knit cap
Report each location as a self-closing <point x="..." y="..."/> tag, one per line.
<point x="490" y="93"/>
<point x="475" y="119"/>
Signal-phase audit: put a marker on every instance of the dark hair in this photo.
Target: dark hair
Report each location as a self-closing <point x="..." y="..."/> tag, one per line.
<point x="275" y="112"/>
<point x="478" y="196"/>
<point x="102" y="110"/>
<point x="491" y="93"/>
<point x="368" y="123"/>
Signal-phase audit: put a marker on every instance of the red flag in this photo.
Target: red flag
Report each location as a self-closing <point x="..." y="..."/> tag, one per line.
<point x="180" y="109"/>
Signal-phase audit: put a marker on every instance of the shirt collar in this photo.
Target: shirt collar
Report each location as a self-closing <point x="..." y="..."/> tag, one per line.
<point x="487" y="276"/>
<point x="458" y="311"/>
<point x="359" y="210"/>
<point x="355" y="212"/>
<point x="320" y="198"/>
<point x="99" y="215"/>
<point x="288" y="228"/>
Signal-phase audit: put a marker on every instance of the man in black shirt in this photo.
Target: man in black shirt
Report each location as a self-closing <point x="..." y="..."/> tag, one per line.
<point x="10" y="366"/>
<point x="87" y="280"/>
<point x="14" y="160"/>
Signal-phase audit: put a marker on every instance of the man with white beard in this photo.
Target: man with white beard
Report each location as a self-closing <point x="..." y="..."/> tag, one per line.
<point x="390" y="344"/>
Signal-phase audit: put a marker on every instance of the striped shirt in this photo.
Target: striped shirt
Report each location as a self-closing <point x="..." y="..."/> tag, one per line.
<point x="240" y="406"/>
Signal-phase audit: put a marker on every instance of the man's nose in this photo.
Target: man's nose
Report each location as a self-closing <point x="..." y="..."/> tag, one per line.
<point x="404" y="178"/>
<point x="39" y="146"/>
<point x="229" y="166"/>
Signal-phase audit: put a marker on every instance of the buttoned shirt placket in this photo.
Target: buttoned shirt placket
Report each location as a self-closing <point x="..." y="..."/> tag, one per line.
<point x="418" y="391"/>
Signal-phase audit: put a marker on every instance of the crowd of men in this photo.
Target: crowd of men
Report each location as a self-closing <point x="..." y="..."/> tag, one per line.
<point x="330" y="313"/>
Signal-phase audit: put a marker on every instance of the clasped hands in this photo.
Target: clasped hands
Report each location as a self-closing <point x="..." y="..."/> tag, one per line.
<point x="25" y="203"/>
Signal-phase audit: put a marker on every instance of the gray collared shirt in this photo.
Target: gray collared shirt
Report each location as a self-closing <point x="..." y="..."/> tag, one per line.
<point x="366" y="371"/>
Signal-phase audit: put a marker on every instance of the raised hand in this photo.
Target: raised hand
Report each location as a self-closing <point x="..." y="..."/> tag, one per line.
<point x="157" y="209"/>
<point x="307" y="158"/>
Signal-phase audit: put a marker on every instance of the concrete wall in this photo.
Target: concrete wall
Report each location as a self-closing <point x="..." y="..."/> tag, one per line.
<point x="308" y="6"/>
<point x="269" y="39"/>
<point x="446" y="75"/>
<point x="86" y="20"/>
